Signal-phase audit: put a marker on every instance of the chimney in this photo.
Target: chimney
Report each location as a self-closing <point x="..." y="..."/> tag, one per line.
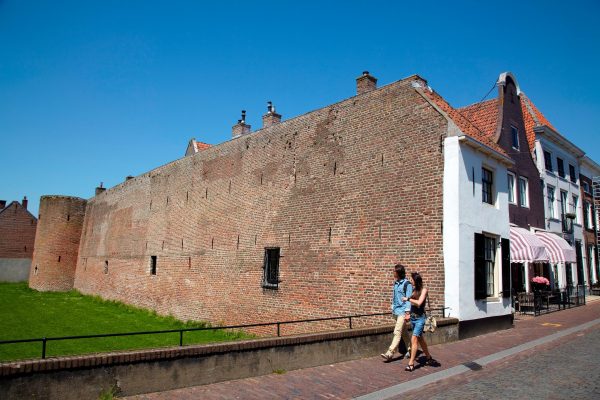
<point x="2" y="204"/>
<point x="100" y="189"/>
<point x="241" y="128"/>
<point x="271" y="117"/>
<point x="365" y="83"/>
<point x="128" y="177"/>
<point x="24" y="202"/>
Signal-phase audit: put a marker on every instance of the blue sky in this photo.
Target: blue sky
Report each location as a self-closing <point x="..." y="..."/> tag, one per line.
<point x="93" y="91"/>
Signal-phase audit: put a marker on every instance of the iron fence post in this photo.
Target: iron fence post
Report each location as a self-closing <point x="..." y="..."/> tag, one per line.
<point x="43" y="347"/>
<point x="278" y="329"/>
<point x="181" y="338"/>
<point x="350" y="322"/>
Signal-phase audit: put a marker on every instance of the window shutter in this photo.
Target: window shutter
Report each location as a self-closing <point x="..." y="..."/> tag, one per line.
<point x="480" y="279"/>
<point x="505" y="243"/>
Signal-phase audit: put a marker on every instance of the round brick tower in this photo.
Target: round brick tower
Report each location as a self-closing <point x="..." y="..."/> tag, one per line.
<point x="57" y="243"/>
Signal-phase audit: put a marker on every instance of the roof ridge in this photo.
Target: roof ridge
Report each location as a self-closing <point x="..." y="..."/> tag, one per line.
<point x="530" y="110"/>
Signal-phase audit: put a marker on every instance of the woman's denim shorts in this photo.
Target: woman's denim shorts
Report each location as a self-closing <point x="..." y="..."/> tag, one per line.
<point x="418" y="323"/>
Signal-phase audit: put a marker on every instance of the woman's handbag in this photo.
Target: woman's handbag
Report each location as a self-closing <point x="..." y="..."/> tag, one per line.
<point x="430" y="324"/>
<point x="430" y="321"/>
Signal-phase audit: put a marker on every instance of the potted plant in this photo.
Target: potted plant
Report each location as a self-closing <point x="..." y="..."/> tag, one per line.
<point x="539" y="283"/>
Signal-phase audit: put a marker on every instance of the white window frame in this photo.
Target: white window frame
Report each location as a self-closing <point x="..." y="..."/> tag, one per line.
<point x="587" y="211"/>
<point x="492" y="185"/>
<point x="514" y="131"/>
<point x="491" y="266"/>
<point x="586" y="187"/>
<point x="524" y="200"/>
<point x="564" y="202"/>
<point x="551" y="170"/>
<point x="512" y="190"/>
<point x="574" y="207"/>
<point x="551" y="201"/>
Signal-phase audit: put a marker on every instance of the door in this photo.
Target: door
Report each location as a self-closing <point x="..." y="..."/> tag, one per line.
<point x="579" y="254"/>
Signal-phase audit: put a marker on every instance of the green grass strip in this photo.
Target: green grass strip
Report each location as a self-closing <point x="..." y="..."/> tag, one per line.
<point x="27" y="313"/>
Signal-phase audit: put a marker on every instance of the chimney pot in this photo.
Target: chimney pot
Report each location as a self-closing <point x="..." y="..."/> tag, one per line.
<point x="365" y="83"/>
<point x="271" y="117"/>
<point x="241" y="128"/>
<point x="100" y="189"/>
<point x="24" y="202"/>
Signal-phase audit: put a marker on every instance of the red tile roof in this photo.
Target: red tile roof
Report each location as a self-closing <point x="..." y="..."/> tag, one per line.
<point x="484" y="115"/>
<point x="465" y="124"/>
<point x="201" y="146"/>
<point x="532" y="118"/>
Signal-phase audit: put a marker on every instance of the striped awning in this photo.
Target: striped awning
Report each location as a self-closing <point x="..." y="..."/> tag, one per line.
<point x="559" y="250"/>
<point x="526" y="247"/>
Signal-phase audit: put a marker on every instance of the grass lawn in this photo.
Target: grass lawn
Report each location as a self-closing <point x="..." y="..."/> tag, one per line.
<point x="26" y="313"/>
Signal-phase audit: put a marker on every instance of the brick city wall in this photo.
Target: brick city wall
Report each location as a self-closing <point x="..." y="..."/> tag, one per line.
<point x="17" y="232"/>
<point x="346" y="192"/>
<point x="57" y="243"/>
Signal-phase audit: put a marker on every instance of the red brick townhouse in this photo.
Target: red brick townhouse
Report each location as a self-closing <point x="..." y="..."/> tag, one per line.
<point x="302" y="218"/>
<point x="589" y="176"/>
<point x="17" y="235"/>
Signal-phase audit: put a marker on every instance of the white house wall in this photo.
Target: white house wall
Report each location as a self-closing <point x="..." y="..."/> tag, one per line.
<point x="464" y="215"/>
<point x="561" y="184"/>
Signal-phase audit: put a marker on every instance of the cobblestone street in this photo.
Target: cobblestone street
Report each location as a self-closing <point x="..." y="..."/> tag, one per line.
<point x="551" y="356"/>
<point x="559" y="370"/>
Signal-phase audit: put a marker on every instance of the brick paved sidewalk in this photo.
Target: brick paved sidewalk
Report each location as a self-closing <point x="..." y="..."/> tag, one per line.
<point x="359" y="377"/>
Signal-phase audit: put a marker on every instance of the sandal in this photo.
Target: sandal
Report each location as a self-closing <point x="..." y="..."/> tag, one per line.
<point x="432" y="362"/>
<point x="410" y="368"/>
<point x="387" y="356"/>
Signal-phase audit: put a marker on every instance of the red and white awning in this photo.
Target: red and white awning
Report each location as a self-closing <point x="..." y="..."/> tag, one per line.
<point x="525" y="246"/>
<point x="559" y="250"/>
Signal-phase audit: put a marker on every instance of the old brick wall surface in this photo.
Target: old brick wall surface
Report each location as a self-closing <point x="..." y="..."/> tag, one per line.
<point x="346" y="192"/>
<point x="17" y="232"/>
<point x="57" y="243"/>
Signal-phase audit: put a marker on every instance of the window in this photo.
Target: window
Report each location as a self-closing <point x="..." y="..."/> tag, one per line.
<point x="487" y="182"/>
<point x="574" y="207"/>
<point x="523" y="193"/>
<point x="563" y="202"/>
<point x="511" y="188"/>
<point x="586" y="215"/>
<point x="514" y="133"/>
<point x="548" y="160"/>
<point x="485" y="266"/>
<point x="551" y="206"/>
<point x="586" y="187"/>
<point x="106" y="267"/>
<point x="271" y="268"/>
<point x="152" y="265"/>
<point x="561" y="167"/>
<point x="572" y="175"/>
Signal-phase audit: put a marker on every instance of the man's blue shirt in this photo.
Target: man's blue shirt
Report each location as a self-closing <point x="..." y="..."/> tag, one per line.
<point x="399" y="307"/>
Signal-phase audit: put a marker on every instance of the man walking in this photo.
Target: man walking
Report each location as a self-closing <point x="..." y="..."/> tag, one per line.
<point x="401" y="310"/>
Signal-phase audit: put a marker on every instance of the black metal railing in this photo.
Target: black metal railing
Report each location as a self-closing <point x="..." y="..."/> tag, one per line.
<point x="44" y="340"/>
<point x="541" y="302"/>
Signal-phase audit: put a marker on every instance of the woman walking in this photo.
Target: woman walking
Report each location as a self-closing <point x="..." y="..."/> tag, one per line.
<point x="417" y="318"/>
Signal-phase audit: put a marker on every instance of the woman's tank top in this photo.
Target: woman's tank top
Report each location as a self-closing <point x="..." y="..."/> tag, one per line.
<point x="419" y="310"/>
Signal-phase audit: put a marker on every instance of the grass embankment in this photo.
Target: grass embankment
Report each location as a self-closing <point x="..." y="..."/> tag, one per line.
<point x="26" y="313"/>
